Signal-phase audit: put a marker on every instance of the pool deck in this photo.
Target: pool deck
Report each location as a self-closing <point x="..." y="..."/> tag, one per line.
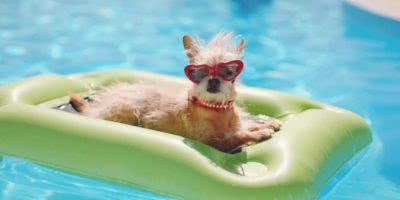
<point x="385" y="8"/>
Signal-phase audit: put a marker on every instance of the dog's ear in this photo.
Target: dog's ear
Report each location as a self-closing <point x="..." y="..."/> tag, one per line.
<point x="190" y="49"/>
<point x="240" y="47"/>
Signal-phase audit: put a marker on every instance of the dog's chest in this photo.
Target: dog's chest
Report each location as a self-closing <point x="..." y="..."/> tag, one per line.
<point x="206" y="124"/>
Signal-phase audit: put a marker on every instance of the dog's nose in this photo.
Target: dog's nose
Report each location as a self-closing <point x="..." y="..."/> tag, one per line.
<point x="213" y="85"/>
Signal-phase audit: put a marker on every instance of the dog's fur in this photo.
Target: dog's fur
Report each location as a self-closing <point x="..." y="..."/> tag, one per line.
<point x="168" y="110"/>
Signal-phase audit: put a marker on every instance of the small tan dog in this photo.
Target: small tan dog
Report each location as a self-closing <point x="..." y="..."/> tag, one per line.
<point x="206" y="113"/>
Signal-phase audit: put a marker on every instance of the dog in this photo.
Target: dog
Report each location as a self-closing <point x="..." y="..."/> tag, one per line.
<point x="205" y="111"/>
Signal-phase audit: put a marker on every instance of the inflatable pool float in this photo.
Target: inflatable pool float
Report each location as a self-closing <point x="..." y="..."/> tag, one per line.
<point x="296" y="163"/>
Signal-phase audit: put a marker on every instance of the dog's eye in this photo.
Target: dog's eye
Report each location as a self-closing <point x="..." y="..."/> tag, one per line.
<point x="197" y="74"/>
<point x="228" y="71"/>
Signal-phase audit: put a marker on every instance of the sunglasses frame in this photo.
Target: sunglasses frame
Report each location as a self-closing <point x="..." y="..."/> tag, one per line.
<point x="213" y="70"/>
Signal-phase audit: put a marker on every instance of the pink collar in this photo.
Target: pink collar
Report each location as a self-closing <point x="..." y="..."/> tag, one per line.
<point x="218" y="107"/>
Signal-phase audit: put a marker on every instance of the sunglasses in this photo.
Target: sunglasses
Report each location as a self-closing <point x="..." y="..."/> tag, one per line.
<point x="227" y="71"/>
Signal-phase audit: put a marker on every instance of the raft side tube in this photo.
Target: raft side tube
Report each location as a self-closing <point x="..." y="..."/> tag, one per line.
<point x="296" y="163"/>
<point x="39" y="89"/>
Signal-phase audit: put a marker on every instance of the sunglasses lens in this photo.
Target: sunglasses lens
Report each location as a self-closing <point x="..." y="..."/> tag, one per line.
<point x="196" y="74"/>
<point x="229" y="71"/>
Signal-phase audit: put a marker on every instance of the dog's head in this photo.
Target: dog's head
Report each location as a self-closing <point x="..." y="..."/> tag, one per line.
<point x="222" y="58"/>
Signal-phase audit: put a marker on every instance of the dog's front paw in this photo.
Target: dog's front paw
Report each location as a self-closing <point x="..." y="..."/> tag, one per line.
<point x="273" y="124"/>
<point x="262" y="134"/>
<point x="257" y="132"/>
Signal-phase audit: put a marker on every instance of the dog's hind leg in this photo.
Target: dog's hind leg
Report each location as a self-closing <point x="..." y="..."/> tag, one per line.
<point x="109" y="108"/>
<point x="122" y="103"/>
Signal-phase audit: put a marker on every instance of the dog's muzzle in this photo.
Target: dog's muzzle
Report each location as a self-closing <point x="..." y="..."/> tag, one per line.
<point x="213" y="85"/>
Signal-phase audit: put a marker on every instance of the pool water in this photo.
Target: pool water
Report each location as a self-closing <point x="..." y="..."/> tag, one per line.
<point x="316" y="49"/>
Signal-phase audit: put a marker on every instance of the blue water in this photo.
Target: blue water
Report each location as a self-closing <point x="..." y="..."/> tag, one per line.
<point x="317" y="49"/>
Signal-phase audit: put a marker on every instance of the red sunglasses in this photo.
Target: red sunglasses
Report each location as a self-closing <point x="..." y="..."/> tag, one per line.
<point x="227" y="71"/>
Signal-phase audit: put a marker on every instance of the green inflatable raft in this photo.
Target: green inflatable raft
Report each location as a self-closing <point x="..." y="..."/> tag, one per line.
<point x="296" y="163"/>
